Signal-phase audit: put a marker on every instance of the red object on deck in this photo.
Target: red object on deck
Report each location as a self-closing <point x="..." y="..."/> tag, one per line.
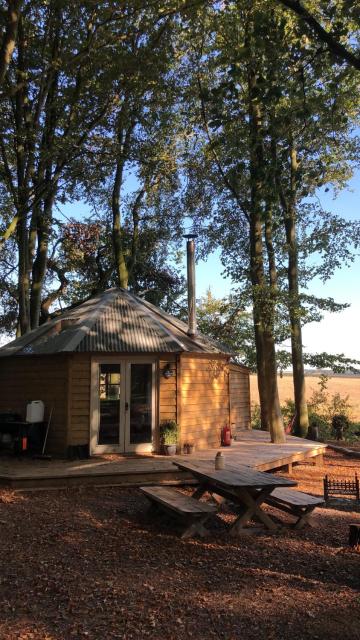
<point x="226" y="436"/>
<point x="290" y="426"/>
<point x="24" y="441"/>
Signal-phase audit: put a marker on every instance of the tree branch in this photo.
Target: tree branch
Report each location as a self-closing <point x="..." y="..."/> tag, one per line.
<point x="9" y="41"/>
<point x="226" y="180"/>
<point x="325" y="36"/>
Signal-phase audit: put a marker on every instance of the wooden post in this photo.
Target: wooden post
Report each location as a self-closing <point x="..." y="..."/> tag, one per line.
<point x="354" y="535"/>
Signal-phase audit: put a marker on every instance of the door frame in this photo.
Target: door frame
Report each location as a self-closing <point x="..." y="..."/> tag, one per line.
<point x="146" y="447"/>
<point x="125" y="362"/>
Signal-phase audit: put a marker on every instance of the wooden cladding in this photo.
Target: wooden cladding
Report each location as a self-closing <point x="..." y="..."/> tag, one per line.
<point x="239" y="390"/>
<point x="204" y="400"/>
<point x="213" y="393"/>
<point x="79" y="399"/>
<point x="203" y="394"/>
<point x="167" y="390"/>
<point x="26" y="378"/>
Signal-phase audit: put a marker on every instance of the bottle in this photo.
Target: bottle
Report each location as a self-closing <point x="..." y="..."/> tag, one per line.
<point x="219" y="461"/>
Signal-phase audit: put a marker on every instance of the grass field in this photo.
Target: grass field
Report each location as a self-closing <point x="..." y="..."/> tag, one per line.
<point x="345" y="386"/>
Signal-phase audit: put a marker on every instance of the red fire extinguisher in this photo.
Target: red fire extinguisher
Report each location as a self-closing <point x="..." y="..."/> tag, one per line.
<point x="226" y="436"/>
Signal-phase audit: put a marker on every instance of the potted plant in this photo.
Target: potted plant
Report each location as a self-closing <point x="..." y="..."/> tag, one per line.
<point x="169" y="436"/>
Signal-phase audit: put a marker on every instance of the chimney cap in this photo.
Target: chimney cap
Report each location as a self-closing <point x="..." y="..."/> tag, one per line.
<point x="190" y="236"/>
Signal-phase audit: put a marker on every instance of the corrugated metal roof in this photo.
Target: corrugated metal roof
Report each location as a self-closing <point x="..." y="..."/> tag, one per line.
<point x="115" y="321"/>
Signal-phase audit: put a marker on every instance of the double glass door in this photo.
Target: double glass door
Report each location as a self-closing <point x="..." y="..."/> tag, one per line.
<point x="124" y="406"/>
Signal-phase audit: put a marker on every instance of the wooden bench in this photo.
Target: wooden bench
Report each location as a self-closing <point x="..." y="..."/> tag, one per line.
<point x="298" y="504"/>
<point x="191" y="512"/>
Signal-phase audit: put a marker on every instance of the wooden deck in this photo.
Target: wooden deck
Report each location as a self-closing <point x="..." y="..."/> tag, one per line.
<point x="253" y="448"/>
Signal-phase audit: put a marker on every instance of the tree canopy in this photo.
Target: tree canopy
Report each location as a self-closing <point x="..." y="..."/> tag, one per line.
<point x="228" y="117"/>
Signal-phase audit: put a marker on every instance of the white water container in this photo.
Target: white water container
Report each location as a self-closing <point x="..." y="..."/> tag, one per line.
<point x="35" y="411"/>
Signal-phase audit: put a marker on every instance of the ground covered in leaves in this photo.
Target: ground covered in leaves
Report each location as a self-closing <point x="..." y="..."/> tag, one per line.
<point x="90" y="563"/>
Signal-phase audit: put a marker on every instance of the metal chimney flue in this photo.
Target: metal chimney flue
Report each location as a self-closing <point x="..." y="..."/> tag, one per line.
<point x="190" y="251"/>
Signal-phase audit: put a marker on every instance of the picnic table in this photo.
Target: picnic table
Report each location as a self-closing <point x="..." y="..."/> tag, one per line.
<point x="242" y="485"/>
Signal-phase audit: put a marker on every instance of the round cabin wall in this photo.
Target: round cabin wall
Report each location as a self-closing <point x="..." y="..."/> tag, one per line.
<point x="212" y="393"/>
<point x="26" y="378"/>
<point x="80" y="403"/>
<point x="202" y="394"/>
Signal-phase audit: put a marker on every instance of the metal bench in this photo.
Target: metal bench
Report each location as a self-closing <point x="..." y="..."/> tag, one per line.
<point x="192" y="513"/>
<point x="298" y="504"/>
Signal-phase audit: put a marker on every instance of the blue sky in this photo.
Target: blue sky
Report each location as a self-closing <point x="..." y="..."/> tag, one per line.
<point x="336" y="333"/>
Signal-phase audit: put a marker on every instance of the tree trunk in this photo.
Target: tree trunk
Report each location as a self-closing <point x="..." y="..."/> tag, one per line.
<point x="263" y="295"/>
<point x="43" y="219"/>
<point x="22" y="187"/>
<point x="261" y="374"/>
<point x="9" y="39"/>
<point x="119" y="256"/>
<point x="301" y="410"/>
<point x="23" y="274"/>
<point x="40" y="262"/>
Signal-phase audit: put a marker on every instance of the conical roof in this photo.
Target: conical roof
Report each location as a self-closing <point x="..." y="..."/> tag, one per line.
<point x="115" y="321"/>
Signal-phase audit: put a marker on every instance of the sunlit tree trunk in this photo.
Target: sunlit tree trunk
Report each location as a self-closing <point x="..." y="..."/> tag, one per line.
<point x="301" y="410"/>
<point x="287" y="198"/>
<point x="263" y="298"/>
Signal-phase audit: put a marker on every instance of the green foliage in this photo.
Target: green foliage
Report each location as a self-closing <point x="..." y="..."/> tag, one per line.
<point x="255" y="416"/>
<point x="318" y="422"/>
<point x="225" y="321"/>
<point x="169" y="430"/>
<point x="340" y="423"/>
<point x="288" y="410"/>
<point x="323" y="407"/>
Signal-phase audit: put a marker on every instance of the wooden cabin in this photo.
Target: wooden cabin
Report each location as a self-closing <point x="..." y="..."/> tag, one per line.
<point x="113" y="368"/>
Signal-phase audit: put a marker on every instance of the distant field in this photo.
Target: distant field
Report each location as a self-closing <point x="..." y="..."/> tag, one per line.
<point x="345" y="386"/>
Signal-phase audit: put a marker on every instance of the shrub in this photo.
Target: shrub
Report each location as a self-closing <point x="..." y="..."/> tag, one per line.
<point x="169" y="432"/>
<point x="255" y="416"/>
<point x="340" y="423"/>
<point x="288" y="410"/>
<point x="317" y="421"/>
<point x="323" y="408"/>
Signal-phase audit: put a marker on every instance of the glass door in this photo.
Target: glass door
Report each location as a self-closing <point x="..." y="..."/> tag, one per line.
<point x="140" y="406"/>
<point x="123" y="406"/>
<point x="111" y="405"/>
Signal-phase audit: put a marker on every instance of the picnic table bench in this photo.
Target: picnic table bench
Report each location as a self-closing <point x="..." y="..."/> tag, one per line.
<point x="242" y="485"/>
<point x="296" y="503"/>
<point x="192" y="513"/>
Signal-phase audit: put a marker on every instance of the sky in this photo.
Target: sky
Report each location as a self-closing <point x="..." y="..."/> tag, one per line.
<point x="337" y="332"/>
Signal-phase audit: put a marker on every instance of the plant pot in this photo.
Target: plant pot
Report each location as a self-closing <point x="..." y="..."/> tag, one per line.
<point x="191" y="448"/>
<point x="170" y="449"/>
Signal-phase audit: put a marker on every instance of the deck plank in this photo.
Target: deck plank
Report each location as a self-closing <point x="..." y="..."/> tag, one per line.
<point x="253" y="449"/>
